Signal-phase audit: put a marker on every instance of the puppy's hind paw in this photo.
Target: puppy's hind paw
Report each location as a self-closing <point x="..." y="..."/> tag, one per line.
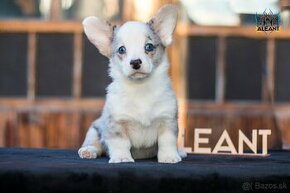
<point x="88" y="152"/>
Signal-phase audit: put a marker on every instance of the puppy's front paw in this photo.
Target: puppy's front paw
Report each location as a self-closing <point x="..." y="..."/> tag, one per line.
<point x="120" y="159"/>
<point x="88" y="152"/>
<point x="171" y="158"/>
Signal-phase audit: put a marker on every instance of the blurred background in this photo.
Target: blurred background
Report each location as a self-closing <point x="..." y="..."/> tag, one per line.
<point x="225" y="74"/>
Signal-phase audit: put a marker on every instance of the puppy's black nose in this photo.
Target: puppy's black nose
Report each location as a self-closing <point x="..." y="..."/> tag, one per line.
<point x="136" y="64"/>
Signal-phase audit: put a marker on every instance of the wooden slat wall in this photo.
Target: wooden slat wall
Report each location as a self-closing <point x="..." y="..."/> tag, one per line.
<point x="221" y="114"/>
<point x="31" y="122"/>
<point x="45" y="128"/>
<point x="77" y="70"/>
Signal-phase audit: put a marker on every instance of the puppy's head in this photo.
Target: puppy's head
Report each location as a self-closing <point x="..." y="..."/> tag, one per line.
<point x="135" y="48"/>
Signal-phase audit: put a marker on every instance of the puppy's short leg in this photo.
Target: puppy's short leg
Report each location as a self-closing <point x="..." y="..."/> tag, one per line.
<point x="119" y="150"/>
<point x="167" y="142"/>
<point x="118" y="143"/>
<point x="91" y="147"/>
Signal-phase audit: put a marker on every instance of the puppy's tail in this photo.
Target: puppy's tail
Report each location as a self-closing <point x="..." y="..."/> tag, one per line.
<point x="182" y="153"/>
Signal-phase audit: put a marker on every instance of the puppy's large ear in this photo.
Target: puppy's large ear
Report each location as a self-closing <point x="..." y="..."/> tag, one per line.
<point x="164" y="23"/>
<point x="100" y="33"/>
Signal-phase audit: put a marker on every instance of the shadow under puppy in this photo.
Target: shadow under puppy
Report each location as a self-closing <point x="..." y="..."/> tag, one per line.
<point x="139" y="119"/>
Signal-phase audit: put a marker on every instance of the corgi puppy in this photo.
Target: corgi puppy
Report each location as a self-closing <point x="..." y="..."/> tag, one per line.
<point x="139" y="119"/>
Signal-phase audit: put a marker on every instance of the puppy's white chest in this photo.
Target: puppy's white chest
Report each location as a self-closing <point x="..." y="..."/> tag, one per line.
<point x="142" y="109"/>
<point x="142" y="136"/>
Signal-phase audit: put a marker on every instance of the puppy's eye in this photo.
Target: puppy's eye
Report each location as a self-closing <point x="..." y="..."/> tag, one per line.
<point x="149" y="47"/>
<point x="122" y="50"/>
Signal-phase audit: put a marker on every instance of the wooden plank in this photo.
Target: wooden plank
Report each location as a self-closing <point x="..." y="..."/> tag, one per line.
<point x="77" y="70"/>
<point x="127" y="8"/>
<point x="40" y="26"/>
<point x="29" y="128"/>
<point x="284" y="126"/>
<point x="63" y="127"/>
<point x="7" y="103"/>
<point x="268" y="77"/>
<point x="36" y="132"/>
<point x="56" y="10"/>
<point x="42" y="105"/>
<point x="245" y="107"/>
<point x="239" y="31"/>
<point x="220" y="71"/>
<point x="12" y="130"/>
<point x="23" y="132"/>
<point x="75" y="130"/>
<point x="31" y="65"/>
<point x="51" y="132"/>
<point x="3" y="128"/>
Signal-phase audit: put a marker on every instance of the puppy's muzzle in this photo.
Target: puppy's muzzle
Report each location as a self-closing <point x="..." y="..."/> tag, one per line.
<point x="136" y="64"/>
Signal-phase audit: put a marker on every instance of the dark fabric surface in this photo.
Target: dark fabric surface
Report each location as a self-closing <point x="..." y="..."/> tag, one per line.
<point x="44" y="170"/>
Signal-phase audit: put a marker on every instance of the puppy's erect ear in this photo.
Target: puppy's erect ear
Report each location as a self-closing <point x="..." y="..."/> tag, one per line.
<point x="164" y="22"/>
<point x="100" y="33"/>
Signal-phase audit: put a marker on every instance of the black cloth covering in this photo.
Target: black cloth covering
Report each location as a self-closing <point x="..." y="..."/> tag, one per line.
<point x="47" y="170"/>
